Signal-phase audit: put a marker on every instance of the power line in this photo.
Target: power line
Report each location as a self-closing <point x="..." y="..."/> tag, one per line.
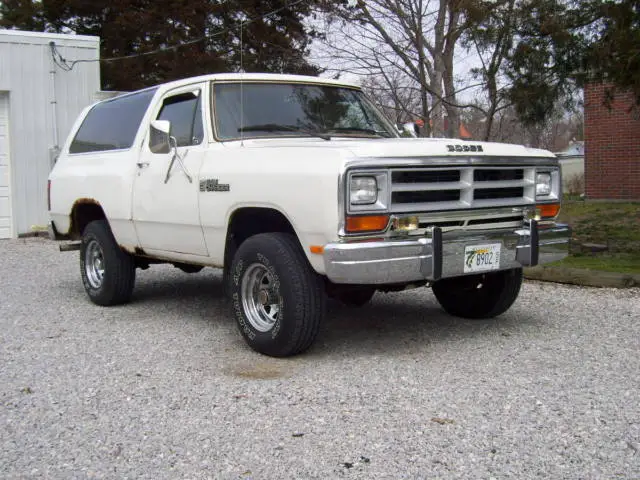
<point x="68" y="65"/>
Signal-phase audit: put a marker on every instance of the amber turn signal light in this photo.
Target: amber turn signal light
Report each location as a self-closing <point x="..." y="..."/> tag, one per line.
<point x="368" y="223"/>
<point x="548" y="210"/>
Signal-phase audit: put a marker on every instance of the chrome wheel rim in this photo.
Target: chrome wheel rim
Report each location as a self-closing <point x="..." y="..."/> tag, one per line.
<point x="94" y="264"/>
<point x="261" y="298"/>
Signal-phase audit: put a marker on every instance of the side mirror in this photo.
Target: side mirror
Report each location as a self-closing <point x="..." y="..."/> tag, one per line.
<point x="159" y="136"/>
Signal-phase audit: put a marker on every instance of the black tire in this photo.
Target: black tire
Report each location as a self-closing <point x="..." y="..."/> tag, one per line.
<point x="357" y="297"/>
<point x="115" y="285"/>
<point x="479" y="296"/>
<point x="296" y="290"/>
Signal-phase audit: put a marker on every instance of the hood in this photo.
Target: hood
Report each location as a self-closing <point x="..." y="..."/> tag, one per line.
<point x="437" y="147"/>
<point x="404" y="147"/>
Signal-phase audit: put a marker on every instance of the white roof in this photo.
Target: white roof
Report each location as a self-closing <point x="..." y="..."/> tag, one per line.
<point x="33" y="37"/>
<point x="258" y="77"/>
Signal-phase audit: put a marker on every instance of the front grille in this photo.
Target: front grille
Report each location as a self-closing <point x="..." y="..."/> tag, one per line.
<point x="497" y="174"/>
<point x="426" y="176"/>
<point x="460" y="188"/>
<point x="487" y="193"/>
<point x="428" y="196"/>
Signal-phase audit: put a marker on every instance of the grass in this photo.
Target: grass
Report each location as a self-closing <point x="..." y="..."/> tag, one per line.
<point x="621" y="263"/>
<point x="609" y="223"/>
<point x="614" y="224"/>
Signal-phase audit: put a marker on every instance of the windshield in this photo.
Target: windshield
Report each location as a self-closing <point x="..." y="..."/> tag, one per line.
<point x="280" y="109"/>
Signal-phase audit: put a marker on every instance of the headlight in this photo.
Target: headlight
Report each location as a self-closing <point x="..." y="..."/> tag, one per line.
<point x="363" y="190"/>
<point x="543" y="184"/>
<point x="367" y="191"/>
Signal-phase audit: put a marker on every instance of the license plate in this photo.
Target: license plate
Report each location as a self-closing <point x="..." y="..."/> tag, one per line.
<point x="480" y="258"/>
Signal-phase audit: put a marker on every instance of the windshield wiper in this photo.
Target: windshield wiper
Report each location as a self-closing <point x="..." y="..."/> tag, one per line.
<point x="275" y="127"/>
<point x="369" y="131"/>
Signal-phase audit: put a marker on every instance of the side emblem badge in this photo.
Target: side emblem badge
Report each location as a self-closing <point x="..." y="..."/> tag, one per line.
<point x="212" y="185"/>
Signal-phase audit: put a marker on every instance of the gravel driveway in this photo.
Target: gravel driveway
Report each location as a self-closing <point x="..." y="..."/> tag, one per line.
<point x="166" y="388"/>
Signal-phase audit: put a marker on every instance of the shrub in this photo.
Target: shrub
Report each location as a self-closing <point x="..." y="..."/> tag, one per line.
<point x="574" y="185"/>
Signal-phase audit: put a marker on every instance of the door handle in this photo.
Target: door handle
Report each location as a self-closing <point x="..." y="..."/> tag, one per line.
<point x="142" y="164"/>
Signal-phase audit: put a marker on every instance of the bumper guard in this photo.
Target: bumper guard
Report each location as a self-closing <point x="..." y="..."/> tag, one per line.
<point x="441" y="254"/>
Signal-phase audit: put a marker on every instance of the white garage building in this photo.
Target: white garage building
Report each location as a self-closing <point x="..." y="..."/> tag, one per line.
<point x="39" y="101"/>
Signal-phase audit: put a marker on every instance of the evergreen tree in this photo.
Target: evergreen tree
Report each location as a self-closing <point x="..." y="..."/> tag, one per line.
<point x="194" y="38"/>
<point x="561" y="45"/>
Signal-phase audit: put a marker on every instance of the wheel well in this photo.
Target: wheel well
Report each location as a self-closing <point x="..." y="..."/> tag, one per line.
<point x="246" y="222"/>
<point x="84" y="212"/>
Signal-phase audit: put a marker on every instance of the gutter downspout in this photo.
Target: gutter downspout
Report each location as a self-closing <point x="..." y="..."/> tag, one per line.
<point x="55" y="150"/>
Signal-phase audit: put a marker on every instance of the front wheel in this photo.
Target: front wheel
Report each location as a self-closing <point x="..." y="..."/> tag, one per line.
<point x="479" y="296"/>
<point x="108" y="273"/>
<point x="277" y="299"/>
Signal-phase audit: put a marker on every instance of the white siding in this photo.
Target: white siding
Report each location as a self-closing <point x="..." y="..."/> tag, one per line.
<point x="6" y="230"/>
<point x="25" y="66"/>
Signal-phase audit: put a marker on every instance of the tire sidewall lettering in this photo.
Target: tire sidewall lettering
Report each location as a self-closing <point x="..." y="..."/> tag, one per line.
<point x="237" y="308"/>
<point x="237" y="272"/>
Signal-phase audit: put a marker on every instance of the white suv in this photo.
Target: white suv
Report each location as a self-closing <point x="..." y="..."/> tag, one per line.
<point x="299" y="189"/>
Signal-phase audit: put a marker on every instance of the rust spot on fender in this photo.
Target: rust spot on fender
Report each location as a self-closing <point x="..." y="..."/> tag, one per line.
<point x="85" y="201"/>
<point x="74" y="230"/>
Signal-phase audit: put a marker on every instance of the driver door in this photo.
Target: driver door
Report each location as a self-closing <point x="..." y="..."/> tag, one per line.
<point x="165" y="195"/>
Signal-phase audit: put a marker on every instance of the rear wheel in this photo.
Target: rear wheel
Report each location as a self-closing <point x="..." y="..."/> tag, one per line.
<point x="479" y="296"/>
<point x="108" y="273"/>
<point x="277" y="299"/>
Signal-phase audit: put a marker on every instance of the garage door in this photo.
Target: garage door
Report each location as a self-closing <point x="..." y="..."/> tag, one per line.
<point x="5" y="193"/>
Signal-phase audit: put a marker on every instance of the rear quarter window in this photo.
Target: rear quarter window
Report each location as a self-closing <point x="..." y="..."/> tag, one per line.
<point x="112" y="125"/>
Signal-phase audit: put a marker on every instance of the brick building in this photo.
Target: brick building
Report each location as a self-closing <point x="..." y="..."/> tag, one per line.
<point x="612" y="145"/>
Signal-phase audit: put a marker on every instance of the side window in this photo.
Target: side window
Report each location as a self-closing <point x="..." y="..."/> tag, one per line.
<point x="184" y="111"/>
<point x="113" y="124"/>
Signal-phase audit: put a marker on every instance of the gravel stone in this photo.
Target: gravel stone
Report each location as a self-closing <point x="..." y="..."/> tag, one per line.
<point x="165" y="387"/>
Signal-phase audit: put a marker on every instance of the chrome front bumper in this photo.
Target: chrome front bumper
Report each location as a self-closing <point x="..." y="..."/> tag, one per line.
<point x="441" y="254"/>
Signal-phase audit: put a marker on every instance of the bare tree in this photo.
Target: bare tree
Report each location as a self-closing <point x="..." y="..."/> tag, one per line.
<point x="410" y="39"/>
<point x="394" y="94"/>
<point x="555" y="133"/>
<point x="490" y="32"/>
